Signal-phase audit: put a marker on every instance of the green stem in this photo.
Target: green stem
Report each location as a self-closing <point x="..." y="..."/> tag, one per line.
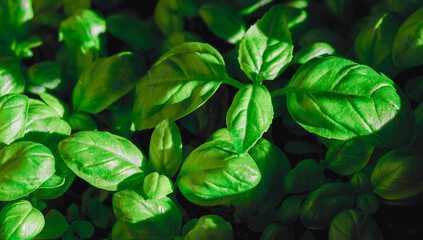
<point x="280" y="92"/>
<point x="232" y="82"/>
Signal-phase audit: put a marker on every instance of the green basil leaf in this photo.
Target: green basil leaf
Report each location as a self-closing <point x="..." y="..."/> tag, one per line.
<point x="45" y="75"/>
<point x="368" y="203"/>
<point x="83" y="229"/>
<point x="157" y="186"/>
<point x="247" y="7"/>
<point x="166" y="19"/>
<point x="19" y="220"/>
<point x="27" y="165"/>
<point x="314" y="50"/>
<point x="188" y="226"/>
<point x="353" y="224"/>
<point x="15" y="20"/>
<point x="56" y="103"/>
<point x="223" y="21"/>
<point x="44" y="125"/>
<point x="373" y="45"/>
<point x="220" y="134"/>
<point x="361" y="183"/>
<point x="277" y="231"/>
<point x="178" y="38"/>
<point x="397" y="174"/>
<point x="407" y="50"/>
<point x="214" y="174"/>
<point x="131" y="30"/>
<point x="71" y="7"/>
<point x="119" y="232"/>
<point x="324" y="203"/>
<point x="81" y="31"/>
<point x="348" y="157"/>
<point x="373" y="108"/>
<point x="249" y="116"/>
<point x="273" y="166"/>
<point x="210" y="227"/>
<point x="266" y="49"/>
<point x="178" y="83"/>
<point x="290" y="208"/>
<point x="296" y="18"/>
<point x="404" y="7"/>
<point x="13" y="117"/>
<point x="55" y="225"/>
<point x="105" y="81"/>
<point x="166" y="148"/>
<point x="11" y="75"/>
<point x="158" y="219"/>
<point x="306" y="175"/>
<point x="82" y="122"/>
<point x="104" y="160"/>
<point x="323" y="35"/>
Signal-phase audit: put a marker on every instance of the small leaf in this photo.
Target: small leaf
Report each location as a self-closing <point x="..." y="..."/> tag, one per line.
<point x="289" y="210"/>
<point x="157" y="186"/>
<point x="214" y="174"/>
<point x="166" y="19"/>
<point x="19" y="220"/>
<point x="55" y="225"/>
<point x="353" y="224"/>
<point x="306" y="175"/>
<point x="26" y="165"/>
<point x="397" y="175"/>
<point x="210" y="227"/>
<point x="166" y="148"/>
<point x="407" y="50"/>
<point x="148" y="219"/>
<point x="348" y="157"/>
<point x="83" y="229"/>
<point x="56" y="103"/>
<point x="13" y="117"/>
<point x="368" y="203"/>
<point x="324" y="203"/>
<point x="45" y="75"/>
<point x="131" y="30"/>
<point x="266" y="49"/>
<point x="361" y="183"/>
<point x="224" y="22"/>
<point x="307" y="53"/>
<point x="82" y="122"/>
<point x="104" y="160"/>
<point x="249" y="116"/>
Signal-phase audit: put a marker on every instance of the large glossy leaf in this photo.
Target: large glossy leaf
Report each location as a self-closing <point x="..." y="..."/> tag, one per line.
<point x="147" y="219"/>
<point x="13" y="115"/>
<point x="181" y="81"/>
<point x="11" y="76"/>
<point x="273" y="166"/>
<point x="397" y="174"/>
<point x="337" y="98"/>
<point x="354" y="225"/>
<point x="105" y="81"/>
<point x="306" y="175"/>
<point x="131" y="30"/>
<point x="166" y="148"/>
<point x="210" y="227"/>
<point x="266" y="49"/>
<point x="104" y="160"/>
<point x="373" y="45"/>
<point x="324" y="203"/>
<point x="224" y="22"/>
<point x="348" y="157"/>
<point x="407" y="50"/>
<point x="249" y="116"/>
<point x="25" y="166"/>
<point x="19" y="220"/>
<point x="214" y="174"/>
<point x="44" y="125"/>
